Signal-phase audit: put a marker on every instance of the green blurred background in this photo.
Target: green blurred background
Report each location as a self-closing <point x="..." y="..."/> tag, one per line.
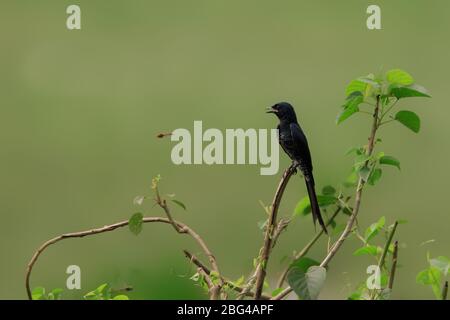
<point x="80" y="111"/>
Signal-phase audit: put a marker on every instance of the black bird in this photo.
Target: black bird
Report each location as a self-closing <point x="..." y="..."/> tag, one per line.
<point x="294" y="143"/>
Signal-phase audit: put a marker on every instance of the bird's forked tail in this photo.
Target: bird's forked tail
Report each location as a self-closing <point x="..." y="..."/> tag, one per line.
<point x="314" y="204"/>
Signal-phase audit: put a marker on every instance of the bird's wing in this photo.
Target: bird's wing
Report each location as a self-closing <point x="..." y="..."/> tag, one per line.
<point x="282" y="144"/>
<point x="301" y="146"/>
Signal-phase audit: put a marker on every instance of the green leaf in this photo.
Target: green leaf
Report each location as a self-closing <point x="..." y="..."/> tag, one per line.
<point x="304" y="263"/>
<point x="375" y="175"/>
<point x="55" y="294"/>
<point x="408" y="91"/>
<point x="101" y="293"/>
<point x="357" y="86"/>
<point x="238" y="282"/>
<point x="397" y="76"/>
<point x="429" y="276"/>
<point x="304" y="206"/>
<point x="355" y="296"/>
<point x="307" y="285"/>
<point x="333" y="224"/>
<point x="121" y="297"/>
<point x="370" y="81"/>
<point x="135" y="223"/>
<point x="437" y="291"/>
<point x="38" y="293"/>
<point x="352" y="179"/>
<point x="366" y="250"/>
<point x="181" y="204"/>
<point x="349" y="108"/>
<point x="364" y="173"/>
<point x="358" y="150"/>
<point x="374" y="228"/>
<point x="409" y="119"/>
<point x="442" y="263"/>
<point x="422" y="277"/>
<point x="101" y="288"/>
<point x="91" y="296"/>
<point x="384" y="294"/>
<point x="328" y="191"/>
<point x="391" y="161"/>
<point x="360" y="160"/>
<point x="380" y="155"/>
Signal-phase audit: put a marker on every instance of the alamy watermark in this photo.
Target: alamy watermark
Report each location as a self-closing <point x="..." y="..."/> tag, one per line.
<point x="235" y="146"/>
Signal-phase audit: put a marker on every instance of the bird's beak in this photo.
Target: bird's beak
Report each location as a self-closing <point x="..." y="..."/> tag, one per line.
<point x="271" y="110"/>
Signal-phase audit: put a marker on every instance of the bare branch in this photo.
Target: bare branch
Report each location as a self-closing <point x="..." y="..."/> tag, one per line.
<point x="271" y="224"/>
<point x="180" y="226"/>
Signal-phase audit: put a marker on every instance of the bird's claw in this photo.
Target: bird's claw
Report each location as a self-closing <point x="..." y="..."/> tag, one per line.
<point x="294" y="167"/>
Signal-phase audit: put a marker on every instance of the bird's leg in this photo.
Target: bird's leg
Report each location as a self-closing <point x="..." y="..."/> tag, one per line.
<point x="297" y="168"/>
<point x="295" y="164"/>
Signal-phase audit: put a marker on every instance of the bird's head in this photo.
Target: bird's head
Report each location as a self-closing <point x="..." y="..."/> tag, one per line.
<point x="284" y="111"/>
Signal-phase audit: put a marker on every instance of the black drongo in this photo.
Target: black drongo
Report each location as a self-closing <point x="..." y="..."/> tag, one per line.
<point x="294" y="143"/>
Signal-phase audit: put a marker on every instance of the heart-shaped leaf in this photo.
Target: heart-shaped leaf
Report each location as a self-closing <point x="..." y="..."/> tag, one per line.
<point x="307" y="285"/>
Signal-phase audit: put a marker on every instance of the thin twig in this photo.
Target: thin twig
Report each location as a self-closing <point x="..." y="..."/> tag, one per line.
<point x="122" y="289"/>
<point x="163" y="204"/>
<point x="386" y="246"/>
<point x="388" y="109"/>
<point x="361" y="182"/>
<point x="281" y="226"/>
<point x="227" y="282"/>
<point x="163" y="134"/>
<point x="394" y="266"/>
<point x="248" y="287"/>
<point x="213" y="290"/>
<point x="271" y="224"/>
<point x="185" y="229"/>
<point x="374" y="292"/>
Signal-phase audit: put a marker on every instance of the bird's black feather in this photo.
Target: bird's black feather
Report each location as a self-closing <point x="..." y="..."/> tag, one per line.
<point x="295" y="145"/>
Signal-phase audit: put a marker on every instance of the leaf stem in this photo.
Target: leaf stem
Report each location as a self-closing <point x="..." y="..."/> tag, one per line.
<point x="384" y="113"/>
